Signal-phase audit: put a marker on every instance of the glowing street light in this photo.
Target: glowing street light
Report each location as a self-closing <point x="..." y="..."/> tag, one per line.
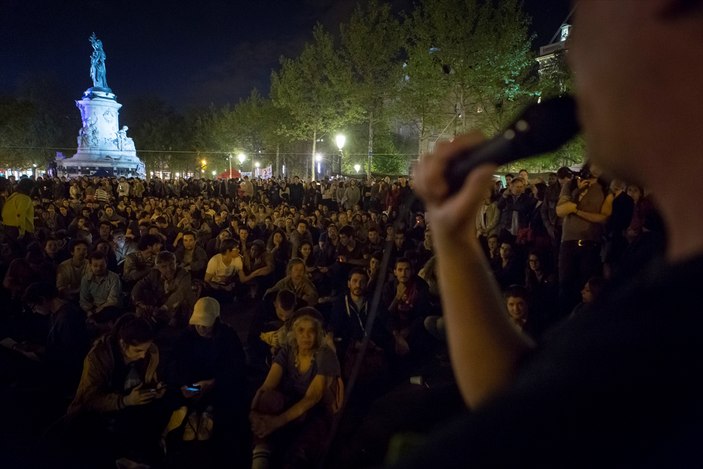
<point x="241" y="157"/>
<point x="203" y="162"/>
<point x="357" y="168"/>
<point x="214" y="173"/>
<point x="318" y="157"/>
<point x="340" y="139"/>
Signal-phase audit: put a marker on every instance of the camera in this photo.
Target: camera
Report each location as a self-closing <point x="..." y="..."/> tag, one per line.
<point x="584" y="173"/>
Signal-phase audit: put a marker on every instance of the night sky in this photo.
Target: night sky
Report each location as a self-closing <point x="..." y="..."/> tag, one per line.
<point x="189" y="53"/>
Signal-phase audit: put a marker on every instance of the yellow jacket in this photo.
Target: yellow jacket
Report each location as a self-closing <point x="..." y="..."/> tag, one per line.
<point x="18" y="211"/>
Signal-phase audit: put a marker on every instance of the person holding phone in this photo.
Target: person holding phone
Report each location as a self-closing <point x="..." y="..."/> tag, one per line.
<point x="116" y="409"/>
<point x="208" y="369"/>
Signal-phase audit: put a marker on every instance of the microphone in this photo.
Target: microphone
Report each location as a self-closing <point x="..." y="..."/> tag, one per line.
<point x="541" y="128"/>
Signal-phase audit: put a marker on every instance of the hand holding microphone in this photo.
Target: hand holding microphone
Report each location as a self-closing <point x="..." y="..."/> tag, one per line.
<point x="453" y="179"/>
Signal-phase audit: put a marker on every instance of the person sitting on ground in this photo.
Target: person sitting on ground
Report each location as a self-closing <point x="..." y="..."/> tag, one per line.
<point x="116" y="403"/>
<point x="508" y="271"/>
<point x="67" y="342"/>
<point x="291" y="413"/>
<point x="71" y="271"/>
<point x="280" y="249"/>
<point x="297" y="281"/>
<point x="405" y="304"/>
<point x="348" y="323"/>
<point x="517" y="304"/>
<point x="101" y="290"/>
<point x="260" y="267"/>
<point x="138" y="264"/>
<point x="276" y="334"/>
<point x="122" y="246"/>
<point x="190" y="256"/>
<point x="541" y="284"/>
<point x="225" y="269"/>
<point x="164" y="295"/>
<point x="208" y="369"/>
<point x="592" y="290"/>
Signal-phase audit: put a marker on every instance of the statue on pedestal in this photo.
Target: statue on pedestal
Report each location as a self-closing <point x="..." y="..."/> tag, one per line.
<point x="97" y="63"/>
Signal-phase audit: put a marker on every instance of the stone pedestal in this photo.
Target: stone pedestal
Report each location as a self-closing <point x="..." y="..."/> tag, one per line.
<point x="103" y="147"/>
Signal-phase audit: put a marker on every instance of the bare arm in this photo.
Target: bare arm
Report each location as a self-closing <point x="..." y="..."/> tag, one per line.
<point x="601" y="217"/>
<point x="485" y="347"/>
<point x="273" y="379"/>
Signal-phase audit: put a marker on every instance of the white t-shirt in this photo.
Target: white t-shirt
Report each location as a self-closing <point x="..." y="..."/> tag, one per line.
<point x="220" y="271"/>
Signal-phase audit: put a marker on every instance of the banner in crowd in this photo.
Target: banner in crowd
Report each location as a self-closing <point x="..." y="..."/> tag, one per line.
<point x="265" y="173"/>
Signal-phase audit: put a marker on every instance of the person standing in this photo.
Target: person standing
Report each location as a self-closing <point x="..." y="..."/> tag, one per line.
<point x="18" y="211"/>
<point x="583" y="391"/>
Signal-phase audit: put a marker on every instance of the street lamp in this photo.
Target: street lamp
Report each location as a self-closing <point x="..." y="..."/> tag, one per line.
<point x="229" y="157"/>
<point x="340" y="139"/>
<point x="357" y="168"/>
<point x="214" y="172"/>
<point x="241" y="157"/>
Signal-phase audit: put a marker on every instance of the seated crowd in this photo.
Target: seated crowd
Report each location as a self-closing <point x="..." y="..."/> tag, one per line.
<point x="116" y="296"/>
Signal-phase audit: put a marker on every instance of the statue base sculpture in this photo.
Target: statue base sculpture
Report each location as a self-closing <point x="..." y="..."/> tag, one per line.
<point x="103" y="147"/>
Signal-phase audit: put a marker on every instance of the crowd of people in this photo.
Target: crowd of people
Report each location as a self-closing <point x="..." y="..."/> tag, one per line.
<point x="114" y="292"/>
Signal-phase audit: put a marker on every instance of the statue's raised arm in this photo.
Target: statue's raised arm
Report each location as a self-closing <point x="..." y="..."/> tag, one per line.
<point x="97" y="63"/>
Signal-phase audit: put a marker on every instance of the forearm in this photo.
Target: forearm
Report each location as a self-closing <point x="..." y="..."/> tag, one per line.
<point x="485" y="347"/>
<point x="298" y="409"/>
<point x="563" y="209"/>
<point x="592" y="217"/>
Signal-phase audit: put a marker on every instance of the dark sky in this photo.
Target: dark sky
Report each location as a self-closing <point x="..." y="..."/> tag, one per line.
<point x="190" y="53"/>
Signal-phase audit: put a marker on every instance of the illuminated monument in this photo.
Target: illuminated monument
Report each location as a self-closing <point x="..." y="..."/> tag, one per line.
<point x="103" y="147"/>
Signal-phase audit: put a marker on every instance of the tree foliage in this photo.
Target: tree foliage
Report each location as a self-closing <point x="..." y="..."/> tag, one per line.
<point x="313" y="89"/>
<point x="393" y="83"/>
<point x="372" y="46"/>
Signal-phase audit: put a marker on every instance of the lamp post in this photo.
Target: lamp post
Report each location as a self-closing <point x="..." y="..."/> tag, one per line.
<point x="241" y="157"/>
<point x="229" y="157"/>
<point x="340" y="139"/>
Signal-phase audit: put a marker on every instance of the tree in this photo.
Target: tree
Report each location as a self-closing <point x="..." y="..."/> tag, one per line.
<point x="314" y="90"/>
<point x="482" y="51"/>
<point x="157" y="130"/>
<point x="34" y="126"/>
<point x="372" y="44"/>
<point x="252" y="126"/>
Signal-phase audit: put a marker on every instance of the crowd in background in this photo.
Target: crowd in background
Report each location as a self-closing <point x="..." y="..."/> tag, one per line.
<point x="114" y="292"/>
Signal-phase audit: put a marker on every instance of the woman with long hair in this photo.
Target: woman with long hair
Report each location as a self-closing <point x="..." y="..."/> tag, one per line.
<point x="291" y="413"/>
